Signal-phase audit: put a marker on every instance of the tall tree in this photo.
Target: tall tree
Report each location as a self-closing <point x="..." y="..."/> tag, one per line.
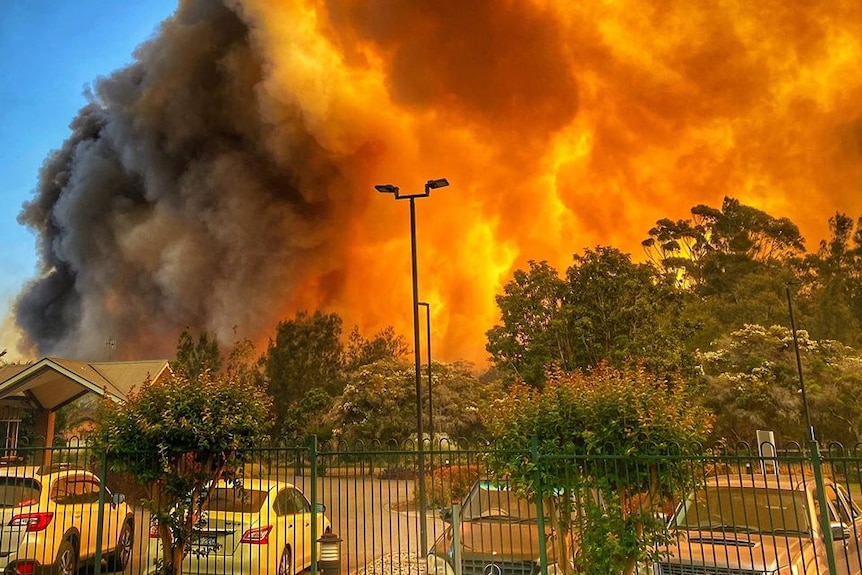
<point x="732" y="261"/>
<point x="385" y="344"/>
<point x="379" y="402"/>
<point x="307" y="353"/>
<point x="740" y="231"/>
<point x="676" y="247"/>
<point x="620" y="311"/>
<point x="607" y="308"/>
<point x="831" y="297"/>
<point x="532" y="332"/>
<point x="195" y="357"/>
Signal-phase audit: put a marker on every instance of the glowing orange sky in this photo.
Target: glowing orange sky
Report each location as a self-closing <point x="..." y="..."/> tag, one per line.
<point x="564" y="125"/>
<point x="560" y="125"/>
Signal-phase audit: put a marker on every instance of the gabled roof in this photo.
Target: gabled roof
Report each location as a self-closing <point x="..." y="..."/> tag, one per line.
<point x="128" y="375"/>
<point x="52" y="382"/>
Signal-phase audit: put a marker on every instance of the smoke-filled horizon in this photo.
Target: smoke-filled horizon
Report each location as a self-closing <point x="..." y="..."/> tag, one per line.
<point x="224" y="180"/>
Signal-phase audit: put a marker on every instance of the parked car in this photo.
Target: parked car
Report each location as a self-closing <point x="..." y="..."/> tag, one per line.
<point x="262" y="528"/>
<point x="49" y="521"/>
<point x="498" y="534"/>
<point x="762" y="524"/>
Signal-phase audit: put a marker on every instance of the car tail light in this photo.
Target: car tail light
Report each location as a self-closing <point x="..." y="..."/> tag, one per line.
<point x="32" y="521"/>
<point x="257" y="536"/>
<point x="25" y="568"/>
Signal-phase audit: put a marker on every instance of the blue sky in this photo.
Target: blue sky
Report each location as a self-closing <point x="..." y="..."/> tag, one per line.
<point x="50" y="51"/>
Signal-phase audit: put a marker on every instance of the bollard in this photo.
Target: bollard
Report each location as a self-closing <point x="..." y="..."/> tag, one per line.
<point x="329" y="561"/>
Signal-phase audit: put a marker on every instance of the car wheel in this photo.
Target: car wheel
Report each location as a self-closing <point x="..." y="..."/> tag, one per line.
<point x="66" y="562"/>
<point x="285" y="563"/>
<point x="123" y="551"/>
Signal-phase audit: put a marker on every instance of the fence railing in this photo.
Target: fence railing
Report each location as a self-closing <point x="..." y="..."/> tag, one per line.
<point x="797" y="511"/>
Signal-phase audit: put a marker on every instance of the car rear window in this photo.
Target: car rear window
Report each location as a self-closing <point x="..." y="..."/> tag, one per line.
<point x="230" y="500"/>
<point x="16" y="491"/>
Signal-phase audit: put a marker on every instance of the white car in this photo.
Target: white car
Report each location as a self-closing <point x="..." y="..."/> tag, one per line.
<point x="49" y="521"/>
<point x="264" y="528"/>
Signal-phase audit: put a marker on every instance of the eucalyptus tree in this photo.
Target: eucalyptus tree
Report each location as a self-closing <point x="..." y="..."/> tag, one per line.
<point x="607" y="308"/>
<point x="831" y="283"/>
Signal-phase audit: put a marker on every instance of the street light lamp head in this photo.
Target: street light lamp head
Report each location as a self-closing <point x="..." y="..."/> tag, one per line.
<point x="386" y="189"/>
<point x="434" y="184"/>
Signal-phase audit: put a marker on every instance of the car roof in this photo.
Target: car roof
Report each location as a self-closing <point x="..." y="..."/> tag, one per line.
<point x="258" y="484"/>
<point x="19" y="471"/>
<point x="759" y="481"/>
<point x="42" y="472"/>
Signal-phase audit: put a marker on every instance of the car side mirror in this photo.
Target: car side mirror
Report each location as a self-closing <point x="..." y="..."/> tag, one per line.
<point x="663" y="517"/>
<point x="839" y="531"/>
<point x="117" y="498"/>
<point x="319" y="508"/>
<point x="446" y="514"/>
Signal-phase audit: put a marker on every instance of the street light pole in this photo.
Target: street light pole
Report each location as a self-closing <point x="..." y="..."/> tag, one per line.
<point x="825" y="520"/>
<point x="427" y="307"/>
<point x="799" y="366"/>
<point x="390" y="189"/>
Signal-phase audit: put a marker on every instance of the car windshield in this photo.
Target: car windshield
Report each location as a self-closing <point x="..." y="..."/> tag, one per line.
<point x="494" y="501"/>
<point x="230" y="500"/>
<point x="745" y="510"/>
<point x="16" y="491"/>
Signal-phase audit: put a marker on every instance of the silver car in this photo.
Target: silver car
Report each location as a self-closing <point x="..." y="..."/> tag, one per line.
<point x="764" y="525"/>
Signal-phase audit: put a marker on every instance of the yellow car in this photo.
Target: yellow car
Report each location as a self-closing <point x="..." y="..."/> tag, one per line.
<point x="49" y="521"/>
<point x="263" y="528"/>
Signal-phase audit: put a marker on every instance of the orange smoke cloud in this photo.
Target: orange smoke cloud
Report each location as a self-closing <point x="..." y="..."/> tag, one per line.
<point x="248" y="138"/>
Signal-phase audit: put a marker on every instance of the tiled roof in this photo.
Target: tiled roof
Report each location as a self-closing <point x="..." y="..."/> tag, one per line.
<point x="53" y="382"/>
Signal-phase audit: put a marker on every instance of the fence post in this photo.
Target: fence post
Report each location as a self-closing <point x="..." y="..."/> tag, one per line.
<point x="540" y="511"/>
<point x="825" y="523"/>
<point x="312" y="460"/>
<point x="100" y="522"/>
<point x="456" y="538"/>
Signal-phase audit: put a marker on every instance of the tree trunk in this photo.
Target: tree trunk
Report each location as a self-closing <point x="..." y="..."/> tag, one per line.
<point x="172" y="557"/>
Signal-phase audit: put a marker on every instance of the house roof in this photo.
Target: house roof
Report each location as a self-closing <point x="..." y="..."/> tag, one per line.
<point x="52" y="382"/>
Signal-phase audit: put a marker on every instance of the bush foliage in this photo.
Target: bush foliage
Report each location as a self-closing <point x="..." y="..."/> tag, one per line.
<point x="626" y="414"/>
<point x="177" y="437"/>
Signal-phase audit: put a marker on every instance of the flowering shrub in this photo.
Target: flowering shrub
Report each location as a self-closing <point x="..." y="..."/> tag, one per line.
<point x="617" y="424"/>
<point x="448" y="484"/>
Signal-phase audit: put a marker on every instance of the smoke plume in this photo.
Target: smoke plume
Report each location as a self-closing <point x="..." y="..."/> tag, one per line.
<point x="226" y="178"/>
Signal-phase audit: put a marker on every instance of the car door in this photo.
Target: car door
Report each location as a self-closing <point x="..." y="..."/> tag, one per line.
<point x="848" y="551"/>
<point x="287" y="519"/>
<point x="845" y="551"/>
<point x="302" y="531"/>
<point x="71" y="493"/>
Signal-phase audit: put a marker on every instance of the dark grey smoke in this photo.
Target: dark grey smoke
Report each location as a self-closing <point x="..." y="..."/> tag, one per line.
<point x="165" y="206"/>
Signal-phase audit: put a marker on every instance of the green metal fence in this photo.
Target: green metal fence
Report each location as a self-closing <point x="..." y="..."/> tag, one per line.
<point x="796" y="512"/>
